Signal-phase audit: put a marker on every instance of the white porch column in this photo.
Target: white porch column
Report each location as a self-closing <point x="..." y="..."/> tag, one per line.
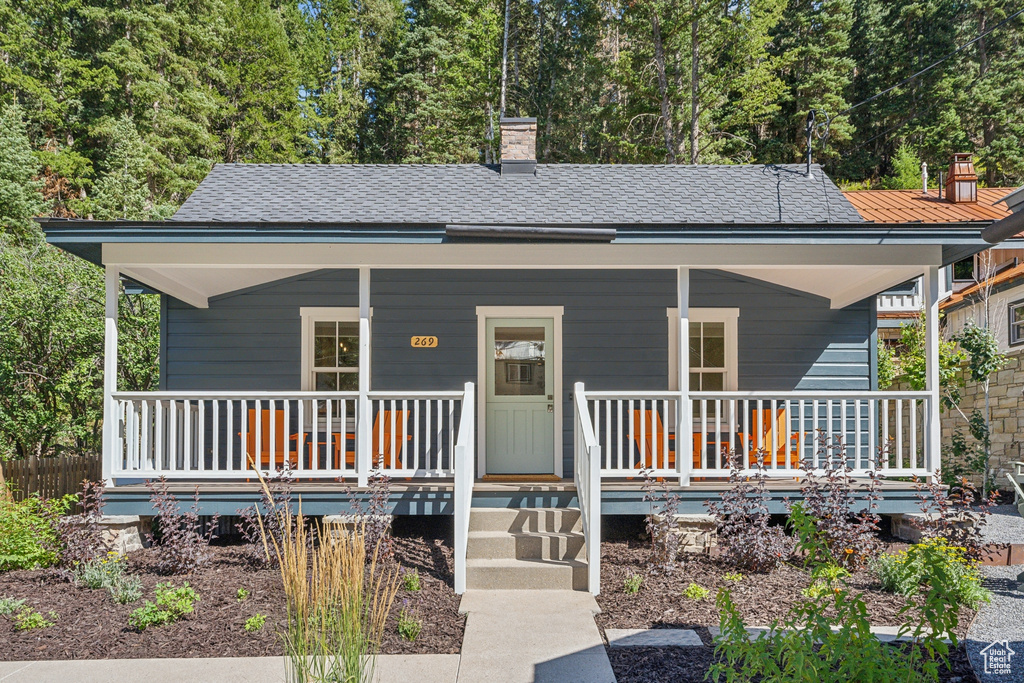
<point x="364" y="439"/>
<point x="111" y="422"/>
<point x="933" y="424"/>
<point x="684" y="431"/>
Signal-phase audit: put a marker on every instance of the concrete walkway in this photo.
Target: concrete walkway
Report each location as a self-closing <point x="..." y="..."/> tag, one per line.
<point x="532" y="636"/>
<point x="390" y="669"/>
<point x="1001" y="620"/>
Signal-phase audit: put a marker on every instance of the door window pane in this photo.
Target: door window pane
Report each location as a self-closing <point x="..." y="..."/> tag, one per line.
<point x="326" y="381"/>
<point x="519" y="361"/>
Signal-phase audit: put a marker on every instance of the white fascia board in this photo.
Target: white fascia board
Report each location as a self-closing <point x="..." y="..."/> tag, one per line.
<point x="312" y="256"/>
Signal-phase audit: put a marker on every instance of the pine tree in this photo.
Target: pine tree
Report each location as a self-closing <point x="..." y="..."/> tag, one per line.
<point x="20" y="198"/>
<point x="810" y="46"/>
<point x="122" y="191"/>
<point x="259" y="119"/>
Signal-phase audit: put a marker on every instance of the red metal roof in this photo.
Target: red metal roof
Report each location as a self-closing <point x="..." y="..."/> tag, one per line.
<point x="912" y="206"/>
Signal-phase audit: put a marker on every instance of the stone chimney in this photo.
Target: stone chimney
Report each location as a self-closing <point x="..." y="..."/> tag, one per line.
<point x="962" y="182"/>
<point x="518" y="145"/>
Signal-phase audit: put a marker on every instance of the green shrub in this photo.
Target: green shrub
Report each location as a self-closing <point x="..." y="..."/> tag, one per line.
<point x="28" y="539"/>
<point x="822" y="579"/>
<point x="242" y="595"/>
<point x="411" y="580"/>
<point x="255" y="622"/>
<point x="695" y="592"/>
<point x="149" y="615"/>
<point x="409" y="627"/>
<point x="9" y="606"/>
<point x="27" y="619"/>
<point x="829" y="639"/>
<point x="733" y="576"/>
<point x="632" y="584"/>
<point x="125" y="589"/>
<point x="100" y="573"/>
<point x="905" y="572"/>
<point x="170" y="606"/>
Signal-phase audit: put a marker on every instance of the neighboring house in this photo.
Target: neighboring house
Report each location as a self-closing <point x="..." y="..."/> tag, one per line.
<point x="995" y="299"/>
<point x="987" y="287"/>
<point x="977" y="206"/>
<point x="514" y="336"/>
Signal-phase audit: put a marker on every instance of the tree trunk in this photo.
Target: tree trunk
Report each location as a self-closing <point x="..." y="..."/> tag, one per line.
<point x="694" y="86"/>
<point x="666" y="110"/>
<point x="988" y="123"/>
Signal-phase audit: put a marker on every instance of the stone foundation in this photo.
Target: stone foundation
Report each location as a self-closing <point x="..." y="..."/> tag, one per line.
<point x="125" y="533"/>
<point x="348" y="523"/>
<point x="698" y="533"/>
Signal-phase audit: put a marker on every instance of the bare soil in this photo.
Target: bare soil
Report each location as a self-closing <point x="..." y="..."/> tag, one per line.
<point x="91" y="626"/>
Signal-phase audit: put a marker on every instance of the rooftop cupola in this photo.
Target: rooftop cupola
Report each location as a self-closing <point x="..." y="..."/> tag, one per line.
<point x="962" y="182"/>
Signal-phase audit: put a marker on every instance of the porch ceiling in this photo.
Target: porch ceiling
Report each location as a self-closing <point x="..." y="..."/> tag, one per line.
<point x="196" y="286"/>
<point x="841" y="285"/>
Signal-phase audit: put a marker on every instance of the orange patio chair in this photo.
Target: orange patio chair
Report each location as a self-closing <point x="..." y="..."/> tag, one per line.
<point x="282" y="450"/>
<point x="652" y="444"/>
<point x="380" y="452"/>
<point x="772" y="438"/>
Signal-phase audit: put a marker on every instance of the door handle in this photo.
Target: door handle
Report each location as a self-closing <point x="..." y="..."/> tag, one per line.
<point x="551" y="407"/>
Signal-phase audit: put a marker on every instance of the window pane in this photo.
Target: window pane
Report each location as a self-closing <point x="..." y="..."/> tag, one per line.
<point x="519" y="361"/>
<point x="348" y="345"/>
<point x="714" y="345"/>
<point x="694" y="381"/>
<point x="326" y="381"/>
<point x="1017" y="314"/>
<point x="713" y="381"/>
<point x="695" y="345"/>
<point x="348" y="381"/>
<point x="325" y="345"/>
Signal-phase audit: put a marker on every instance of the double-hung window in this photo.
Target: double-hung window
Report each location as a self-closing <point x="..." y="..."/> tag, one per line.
<point x="712" y="349"/>
<point x="330" y="349"/>
<point x="1015" y="321"/>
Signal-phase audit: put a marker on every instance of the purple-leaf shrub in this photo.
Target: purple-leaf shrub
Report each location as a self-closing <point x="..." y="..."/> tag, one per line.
<point x="183" y="546"/>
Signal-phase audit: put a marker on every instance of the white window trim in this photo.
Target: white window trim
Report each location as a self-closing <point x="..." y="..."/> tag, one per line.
<point x="311" y="314"/>
<point x="728" y="316"/>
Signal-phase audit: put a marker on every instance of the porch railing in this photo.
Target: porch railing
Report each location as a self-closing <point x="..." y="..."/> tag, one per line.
<point x="464" y="468"/>
<point x="871" y="430"/>
<point x="587" y="476"/>
<point x="226" y="435"/>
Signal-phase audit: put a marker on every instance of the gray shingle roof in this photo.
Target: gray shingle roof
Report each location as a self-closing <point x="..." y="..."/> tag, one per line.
<point x="478" y="194"/>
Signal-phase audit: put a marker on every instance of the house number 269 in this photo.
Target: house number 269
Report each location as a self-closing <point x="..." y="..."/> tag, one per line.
<point x="424" y="342"/>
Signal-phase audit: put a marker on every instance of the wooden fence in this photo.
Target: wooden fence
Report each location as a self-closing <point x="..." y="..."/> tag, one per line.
<point x="50" y="477"/>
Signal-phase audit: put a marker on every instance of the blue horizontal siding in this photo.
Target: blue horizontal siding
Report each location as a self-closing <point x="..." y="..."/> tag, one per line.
<point x="615" y="330"/>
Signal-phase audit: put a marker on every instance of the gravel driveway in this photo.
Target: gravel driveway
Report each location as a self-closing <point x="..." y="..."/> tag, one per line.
<point x="1003" y="618"/>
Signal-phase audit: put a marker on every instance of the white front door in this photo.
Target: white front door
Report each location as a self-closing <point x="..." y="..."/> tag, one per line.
<point x="520" y="420"/>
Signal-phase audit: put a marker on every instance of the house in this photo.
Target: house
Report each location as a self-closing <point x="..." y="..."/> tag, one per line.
<point x="978" y="206"/>
<point x="513" y="336"/>
<point x="995" y="299"/>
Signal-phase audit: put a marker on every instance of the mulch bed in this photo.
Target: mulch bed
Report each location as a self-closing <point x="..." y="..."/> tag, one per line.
<point x="760" y="598"/>
<point x="690" y="665"/>
<point x="91" y="626"/>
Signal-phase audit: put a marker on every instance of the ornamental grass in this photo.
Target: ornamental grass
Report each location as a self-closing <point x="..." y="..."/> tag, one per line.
<point x="337" y="602"/>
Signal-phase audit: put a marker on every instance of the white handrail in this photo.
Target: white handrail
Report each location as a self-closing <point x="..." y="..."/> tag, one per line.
<point x="587" y="475"/>
<point x="463" y="494"/>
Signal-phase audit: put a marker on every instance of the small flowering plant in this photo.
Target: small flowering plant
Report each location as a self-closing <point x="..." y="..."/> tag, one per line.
<point x="905" y="572"/>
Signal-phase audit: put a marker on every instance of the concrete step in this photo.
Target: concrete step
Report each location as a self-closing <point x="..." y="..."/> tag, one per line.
<point x="526" y="574"/>
<point x="542" y="545"/>
<point x="516" y="520"/>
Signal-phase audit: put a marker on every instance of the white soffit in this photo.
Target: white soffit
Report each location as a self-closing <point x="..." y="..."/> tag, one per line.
<point x="196" y="286"/>
<point x="841" y="285"/>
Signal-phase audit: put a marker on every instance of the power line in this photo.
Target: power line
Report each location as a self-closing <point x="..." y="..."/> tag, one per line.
<point x="933" y="64"/>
